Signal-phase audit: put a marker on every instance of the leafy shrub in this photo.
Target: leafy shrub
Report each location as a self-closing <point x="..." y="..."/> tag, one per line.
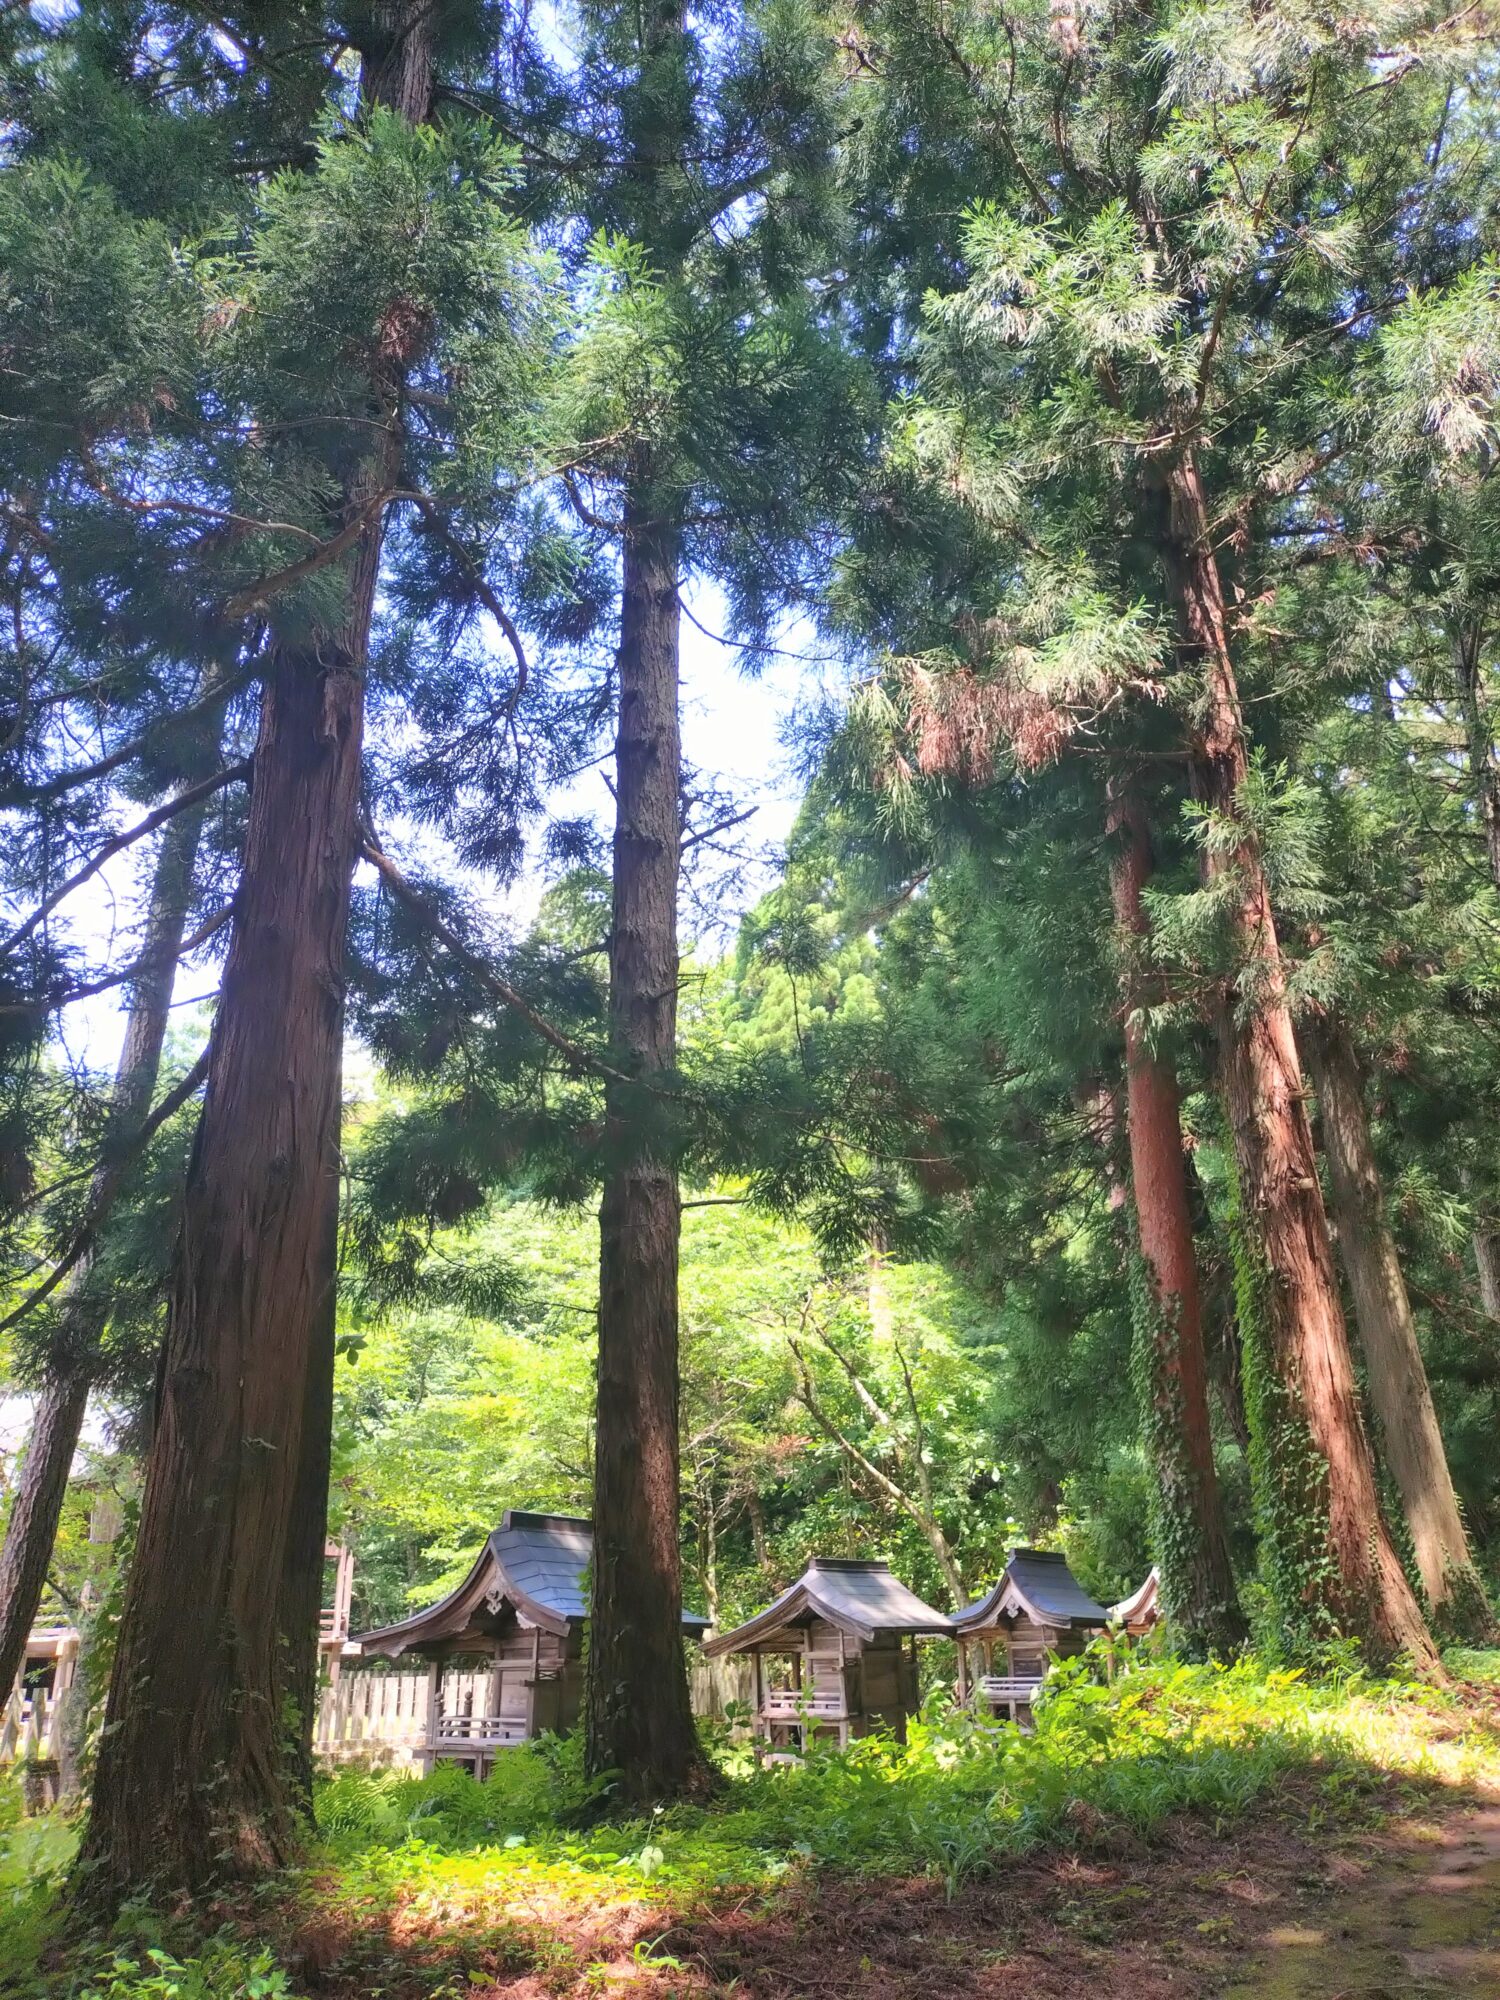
<point x="1117" y="1750"/>
<point x="226" y="1969"/>
<point x="34" y="1858"/>
<point x="533" y="1786"/>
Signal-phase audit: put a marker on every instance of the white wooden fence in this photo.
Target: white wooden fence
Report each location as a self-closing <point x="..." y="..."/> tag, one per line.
<point x="380" y="1718"/>
<point x="371" y="1717"/>
<point x="31" y="1728"/>
<point x="367" y="1716"/>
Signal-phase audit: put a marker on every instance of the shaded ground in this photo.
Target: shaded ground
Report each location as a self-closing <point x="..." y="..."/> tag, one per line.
<point x="1391" y="1894"/>
<point x="1423" y="1919"/>
<point x="1414" y="1911"/>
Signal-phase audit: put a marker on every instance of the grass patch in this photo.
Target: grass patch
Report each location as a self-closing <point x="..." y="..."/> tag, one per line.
<point x="442" y="1885"/>
<point x="1478" y="1665"/>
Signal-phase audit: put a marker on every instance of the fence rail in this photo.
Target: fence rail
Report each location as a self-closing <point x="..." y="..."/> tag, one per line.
<point x="482" y="1729"/>
<point x="791" y="1704"/>
<point x="374" y="1717"/>
<point x="31" y="1729"/>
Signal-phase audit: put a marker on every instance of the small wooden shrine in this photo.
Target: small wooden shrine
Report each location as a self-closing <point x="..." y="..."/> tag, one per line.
<point x="1141" y="1610"/>
<point x="521" y="1610"/>
<point x="1038" y="1607"/>
<point x="835" y="1655"/>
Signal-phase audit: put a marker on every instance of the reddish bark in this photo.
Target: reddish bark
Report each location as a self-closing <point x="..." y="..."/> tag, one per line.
<point x="307" y="1532"/>
<point x="1367" y="1594"/>
<point x="638" y="1718"/>
<point x="197" y="1777"/>
<point x="1395" y="1370"/>
<point x="1197" y="1576"/>
<point x="192" y="1767"/>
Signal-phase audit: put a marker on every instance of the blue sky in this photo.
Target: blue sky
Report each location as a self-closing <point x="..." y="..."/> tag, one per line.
<point x="733" y="729"/>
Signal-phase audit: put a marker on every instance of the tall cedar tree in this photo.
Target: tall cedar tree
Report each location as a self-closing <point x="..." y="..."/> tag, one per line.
<point x="1127" y="352"/>
<point x="192" y="1773"/>
<point x="117" y="682"/>
<point x="1393" y="938"/>
<point x="967" y="840"/>
<point x="710" y="360"/>
<point x="1399" y="1388"/>
<point x="203" y="1763"/>
<point x="638" y="1719"/>
<point x="1191" y="1540"/>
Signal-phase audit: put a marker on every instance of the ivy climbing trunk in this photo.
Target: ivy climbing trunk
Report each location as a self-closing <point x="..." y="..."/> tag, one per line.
<point x="1191" y="1546"/>
<point x="198" y="1774"/>
<point x="1396" y="1373"/>
<point x="638" y="1719"/>
<point x="1332" y="1564"/>
<point x="73" y="1365"/>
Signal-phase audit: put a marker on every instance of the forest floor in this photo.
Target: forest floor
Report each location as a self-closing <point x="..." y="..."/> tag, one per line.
<point x="1185" y="1833"/>
<point x="1393" y="1895"/>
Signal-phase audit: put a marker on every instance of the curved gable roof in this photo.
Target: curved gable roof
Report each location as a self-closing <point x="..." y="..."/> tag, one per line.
<point x="1036" y="1584"/>
<point x="861" y="1598"/>
<point x="1142" y="1601"/>
<point x="535" y="1562"/>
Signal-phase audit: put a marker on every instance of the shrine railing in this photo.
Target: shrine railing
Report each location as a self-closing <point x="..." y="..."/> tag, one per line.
<point x="791" y="1704"/>
<point x="1007" y="1687"/>
<point x="454" y="1729"/>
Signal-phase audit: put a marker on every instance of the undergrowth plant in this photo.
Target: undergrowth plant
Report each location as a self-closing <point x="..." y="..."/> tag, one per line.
<point x="1115" y="1751"/>
<point x="1119" y="1748"/>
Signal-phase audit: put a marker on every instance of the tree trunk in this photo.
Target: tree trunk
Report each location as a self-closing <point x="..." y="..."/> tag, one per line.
<point x="192" y="1776"/>
<point x="1487" y="1261"/>
<point x="197" y="1776"/>
<point x="1468" y="668"/>
<point x="1387" y="1329"/>
<point x="1468" y="671"/>
<point x="759" y="1540"/>
<point x="307" y="1532"/>
<point x="31" y="1529"/>
<point x="1332" y="1561"/>
<point x="1192" y="1548"/>
<point x="638" y="1721"/>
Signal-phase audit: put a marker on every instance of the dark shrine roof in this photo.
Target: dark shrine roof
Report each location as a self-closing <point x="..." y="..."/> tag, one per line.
<point x="1036" y="1584"/>
<point x="533" y="1564"/>
<point x="860" y="1598"/>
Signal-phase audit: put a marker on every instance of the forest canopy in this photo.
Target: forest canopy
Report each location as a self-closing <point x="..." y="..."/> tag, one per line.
<point x="1071" y="430"/>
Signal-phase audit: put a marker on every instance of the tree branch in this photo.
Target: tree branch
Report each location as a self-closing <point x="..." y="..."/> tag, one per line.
<point x="192" y="796"/>
<point x="430" y="513"/>
<point x="112" y="1179"/>
<point x="87" y="774"/>
<point x="433" y="920"/>
<point x="145" y="963"/>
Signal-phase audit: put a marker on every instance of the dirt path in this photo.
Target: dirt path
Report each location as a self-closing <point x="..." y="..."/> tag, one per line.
<point x="1419" y="1921"/>
<point x="1392" y="1894"/>
<point x="1268" y="1910"/>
